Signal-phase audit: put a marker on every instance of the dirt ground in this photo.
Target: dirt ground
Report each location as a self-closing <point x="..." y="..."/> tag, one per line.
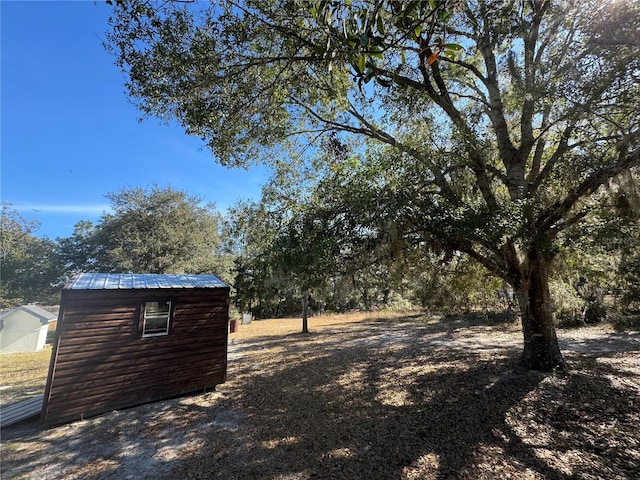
<point x="368" y="398"/>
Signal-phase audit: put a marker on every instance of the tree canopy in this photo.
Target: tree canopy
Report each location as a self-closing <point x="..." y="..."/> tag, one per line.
<point x="156" y="230"/>
<point x="493" y="125"/>
<point x="31" y="270"/>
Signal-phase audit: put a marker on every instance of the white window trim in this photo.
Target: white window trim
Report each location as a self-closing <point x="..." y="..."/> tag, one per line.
<point x="166" y="316"/>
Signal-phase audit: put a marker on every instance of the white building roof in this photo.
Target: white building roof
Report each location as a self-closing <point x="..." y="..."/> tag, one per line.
<point x="44" y="316"/>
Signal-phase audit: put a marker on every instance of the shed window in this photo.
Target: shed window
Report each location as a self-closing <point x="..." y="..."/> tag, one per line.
<point x="157" y="316"/>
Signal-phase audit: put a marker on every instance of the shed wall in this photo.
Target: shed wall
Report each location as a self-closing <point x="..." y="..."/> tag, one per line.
<point x="100" y="362"/>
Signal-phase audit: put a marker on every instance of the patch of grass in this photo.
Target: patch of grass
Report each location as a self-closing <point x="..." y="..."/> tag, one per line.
<point x="23" y="375"/>
<point x="287" y="326"/>
<point x="12" y="447"/>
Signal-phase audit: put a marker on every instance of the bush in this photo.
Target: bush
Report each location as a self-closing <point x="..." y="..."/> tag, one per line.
<point x="397" y="303"/>
<point x="626" y="322"/>
<point x="567" y="318"/>
<point x="595" y="311"/>
<point x="234" y="314"/>
<point x="566" y="306"/>
<point x="629" y="272"/>
<point x="575" y="306"/>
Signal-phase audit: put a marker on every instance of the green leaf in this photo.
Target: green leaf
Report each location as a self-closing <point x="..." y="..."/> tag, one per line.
<point x="418" y="31"/>
<point x="352" y="61"/>
<point x="364" y="39"/>
<point x="410" y="8"/>
<point x="362" y="62"/>
<point x="452" y="50"/>
<point x="380" y="25"/>
<point x="450" y="54"/>
<point x="453" y="46"/>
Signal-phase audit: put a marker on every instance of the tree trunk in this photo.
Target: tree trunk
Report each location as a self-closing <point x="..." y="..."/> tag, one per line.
<point x="366" y="299"/>
<point x="541" y="350"/>
<point x="305" y="312"/>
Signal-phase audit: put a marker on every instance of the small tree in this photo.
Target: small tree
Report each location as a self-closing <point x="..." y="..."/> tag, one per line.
<point x="307" y="252"/>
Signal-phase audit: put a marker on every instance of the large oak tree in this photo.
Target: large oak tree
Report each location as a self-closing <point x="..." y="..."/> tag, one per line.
<point x="154" y="230"/>
<point x="513" y="114"/>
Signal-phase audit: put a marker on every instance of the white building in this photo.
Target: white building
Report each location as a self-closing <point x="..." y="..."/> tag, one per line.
<point x="24" y="329"/>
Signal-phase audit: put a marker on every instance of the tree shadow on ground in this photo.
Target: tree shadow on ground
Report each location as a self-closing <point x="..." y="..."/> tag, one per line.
<point x="383" y="410"/>
<point x="384" y="401"/>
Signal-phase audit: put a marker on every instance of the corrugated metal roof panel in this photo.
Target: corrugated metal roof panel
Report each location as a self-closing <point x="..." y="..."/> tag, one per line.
<point x="143" y="281"/>
<point x="164" y="282"/>
<point x="120" y="281"/>
<point x="98" y="283"/>
<point x="80" y="281"/>
<point x="111" y="282"/>
<point x="125" y="281"/>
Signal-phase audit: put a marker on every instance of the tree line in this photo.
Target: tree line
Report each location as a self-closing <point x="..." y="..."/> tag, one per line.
<point x="154" y="230"/>
<point x="279" y="250"/>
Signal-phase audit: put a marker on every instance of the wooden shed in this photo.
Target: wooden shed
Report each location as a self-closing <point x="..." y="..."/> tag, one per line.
<point x="24" y="329"/>
<point x="128" y="339"/>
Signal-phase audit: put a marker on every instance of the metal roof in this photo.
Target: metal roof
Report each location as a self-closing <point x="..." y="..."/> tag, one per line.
<point x="128" y="281"/>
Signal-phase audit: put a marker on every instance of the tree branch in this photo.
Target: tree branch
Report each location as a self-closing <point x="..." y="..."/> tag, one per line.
<point x="556" y="212"/>
<point x="526" y="117"/>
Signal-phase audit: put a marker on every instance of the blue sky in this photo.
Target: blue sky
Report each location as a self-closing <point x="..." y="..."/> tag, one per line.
<point x="69" y="134"/>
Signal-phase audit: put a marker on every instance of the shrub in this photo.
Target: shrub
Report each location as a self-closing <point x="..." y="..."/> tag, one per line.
<point x="567" y="306"/>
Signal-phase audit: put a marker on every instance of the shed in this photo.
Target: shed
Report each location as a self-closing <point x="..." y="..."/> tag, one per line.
<point x="24" y="329"/>
<point x="127" y="339"/>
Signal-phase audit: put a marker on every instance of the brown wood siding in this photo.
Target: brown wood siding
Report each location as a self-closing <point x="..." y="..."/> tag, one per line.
<point x="100" y="361"/>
